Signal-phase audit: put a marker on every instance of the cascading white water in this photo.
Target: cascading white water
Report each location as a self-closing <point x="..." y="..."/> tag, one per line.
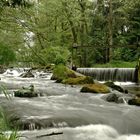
<point x="105" y="74"/>
<point x="63" y="108"/>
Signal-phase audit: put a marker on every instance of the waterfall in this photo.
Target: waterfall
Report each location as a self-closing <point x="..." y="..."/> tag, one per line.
<point x="113" y="74"/>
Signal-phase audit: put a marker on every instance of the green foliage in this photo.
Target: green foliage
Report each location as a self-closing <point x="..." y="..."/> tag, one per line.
<point x="126" y="54"/>
<point x="15" y="3"/>
<point x="5" y="124"/>
<point x="55" y="55"/>
<point x="12" y="136"/>
<point x="7" y="55"/>
<point x="64" y="22"/>
<point x="3" y="90"/>
<point x="133" y="35"/>
<point x="129" y="54"/>
<point x="59" y="72"/>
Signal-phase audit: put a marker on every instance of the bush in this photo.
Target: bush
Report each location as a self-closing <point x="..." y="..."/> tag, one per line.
<point x="7" y="55"/>
<point x="55" y="55"/>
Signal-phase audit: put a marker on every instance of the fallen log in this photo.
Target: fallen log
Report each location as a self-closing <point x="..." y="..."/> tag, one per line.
<point x="50" y="134"/>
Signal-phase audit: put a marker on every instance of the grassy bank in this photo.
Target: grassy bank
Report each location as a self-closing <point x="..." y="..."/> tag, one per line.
<point x="117" y="64"/>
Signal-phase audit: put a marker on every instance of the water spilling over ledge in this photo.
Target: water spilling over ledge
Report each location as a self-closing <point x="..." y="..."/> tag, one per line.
<point x="113" y="74"/>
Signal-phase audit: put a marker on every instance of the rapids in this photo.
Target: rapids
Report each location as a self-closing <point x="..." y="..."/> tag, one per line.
<point x="62" y="108"/>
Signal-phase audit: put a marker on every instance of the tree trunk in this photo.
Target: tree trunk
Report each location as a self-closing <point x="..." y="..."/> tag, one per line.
<point x="73" y="30"/>
<point x="83" y="31"/>
<point x="110" y="34"/>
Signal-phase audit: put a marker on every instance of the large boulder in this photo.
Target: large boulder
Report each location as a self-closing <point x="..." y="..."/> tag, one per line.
<point x="79" y="80"/>
<point x="95" y="88"/>
<point x="26" y="92"/>
<point x="61" y="73"/>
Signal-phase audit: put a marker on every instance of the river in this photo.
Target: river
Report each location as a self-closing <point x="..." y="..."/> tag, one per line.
<point x="64" y="109"/>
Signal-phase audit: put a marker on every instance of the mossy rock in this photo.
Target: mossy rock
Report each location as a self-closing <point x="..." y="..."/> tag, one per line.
<point x="61" y="72"/>
<point x="95" y="88"/>
<point x="135" y="101"/>
<point x="26" y="92"/>
<point x="79" y="80"/>
<point x="113" y="86"/>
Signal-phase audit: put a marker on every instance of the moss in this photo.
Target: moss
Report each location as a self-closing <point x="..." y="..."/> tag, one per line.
<point x="95" y="88"/>
<point x="61" y="72"/>
<point x="79" y="80"/>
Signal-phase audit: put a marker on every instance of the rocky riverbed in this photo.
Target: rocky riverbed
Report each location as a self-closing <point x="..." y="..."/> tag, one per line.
<point x="63" y="109"/>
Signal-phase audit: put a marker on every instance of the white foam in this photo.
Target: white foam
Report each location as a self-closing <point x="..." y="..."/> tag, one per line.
<point x="89" y="132"/>
<point x="11" y="72"/>
<point x="123" y="83"/>
<point x="129" y="137"/>
<point x="96" y="132"/>
<point x="99" y="132"/>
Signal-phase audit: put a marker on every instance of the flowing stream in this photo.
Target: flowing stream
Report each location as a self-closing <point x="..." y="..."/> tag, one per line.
<point x="63" y="108"/>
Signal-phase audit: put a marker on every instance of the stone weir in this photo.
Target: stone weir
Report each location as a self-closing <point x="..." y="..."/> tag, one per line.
<point x="113" y="74"/>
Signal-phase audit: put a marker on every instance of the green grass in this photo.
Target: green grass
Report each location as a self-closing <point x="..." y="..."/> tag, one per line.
<point x="5" y="124"/>
<point x="12" y="136"/>
<point x="4" y="127"/>
<point x="117" y="64"/>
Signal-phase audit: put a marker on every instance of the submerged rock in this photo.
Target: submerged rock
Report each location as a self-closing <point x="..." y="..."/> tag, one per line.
<point x="95" y="88"/>
<point x="26" y="92"/>
<point x="116" y="98"/>
<point x="28" y="74"/>
<point x="115" y="87"/>
<point x="134" y="101"/>
<point x="112" y="98"/>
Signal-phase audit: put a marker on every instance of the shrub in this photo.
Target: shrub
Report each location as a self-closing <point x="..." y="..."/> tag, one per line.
<point x="7" y="55"/>
<point x="55" y="55"/>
